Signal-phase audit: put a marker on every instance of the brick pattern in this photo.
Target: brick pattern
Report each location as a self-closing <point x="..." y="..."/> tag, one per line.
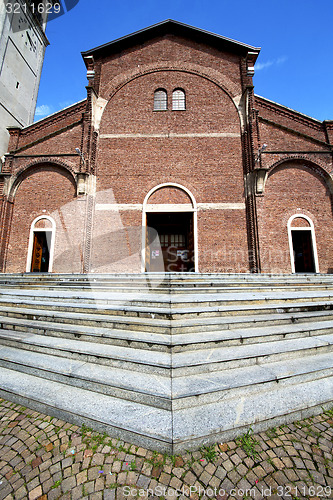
<point x="182" y="147"/>
<point x="46" y="190"/>
<point x="290" y="189"/>
<point x="169" y="195"/>
<point x="44" y="458"/>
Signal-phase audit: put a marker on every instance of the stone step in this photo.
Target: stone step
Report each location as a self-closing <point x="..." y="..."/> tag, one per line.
<point x="116" y="307"/>
<point x="231" y="317"/>
<point x="259" y="407"/>
<point x="247" y="316"/>
<point x="177" y="288"/>
<point x="275" y="392"/>
<point x="135" y="339"/>
<point x="168" y="361"/>
<point x="156" y="390"/>
<point x="134" y="422"/>
<point x="185" y="362"/>
<point x="178" y="281"/>
<point x="244" y="330"/>
<point x="152" y="324"/>
<point x="144" y="301"/>
<point x="146" y="360"/>
<point x="169" y="307"/>
<point x="167" y="277"/>
<point x="245" y="336"/>
<point x="218" y="358"/>
<point x="150" y="389"/>
<point x="195" y="390"/>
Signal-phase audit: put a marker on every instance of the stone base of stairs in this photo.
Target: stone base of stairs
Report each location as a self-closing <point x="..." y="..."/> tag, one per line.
<point x="168" y="362"/>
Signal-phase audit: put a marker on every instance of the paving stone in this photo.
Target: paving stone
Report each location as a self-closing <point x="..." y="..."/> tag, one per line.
<point x="299" y="464"/>
<point x="164" y="478"/>
<point x="231" y="467"/>
<point x="35" y="493"/>
<point x="277" y="462"/>
<point x="47" y="485"/>
<point x="21" y="493"/>
<point x="220" y="473"/>
<point x="228" y="465"/>
<point x="197" y="469"/>
<point x="68" y="484"/>
<point x="143" y="482"/>
<point x="205" y="478"/>
<point x="190" y="478"/>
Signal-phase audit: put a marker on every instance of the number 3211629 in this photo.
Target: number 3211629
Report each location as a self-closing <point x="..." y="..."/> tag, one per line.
<point x="40" y="8"/>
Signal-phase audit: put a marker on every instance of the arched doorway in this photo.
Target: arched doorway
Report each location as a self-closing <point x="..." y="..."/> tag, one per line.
<point x="41" y="245"/>
<point x="302" y="244"/>
<point x="170" y="235"/>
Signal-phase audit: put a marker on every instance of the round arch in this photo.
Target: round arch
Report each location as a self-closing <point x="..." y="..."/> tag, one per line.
<point x="315" y="168"/>
<point x="208" y="74"/>
<point x="190" y="208"/>
<point x="36" y="166"/>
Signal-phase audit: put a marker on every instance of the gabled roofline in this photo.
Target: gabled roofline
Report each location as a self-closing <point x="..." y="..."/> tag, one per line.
<point x="52" y="115"/>
<point x="291" y="110"/>
<point x="169" y="26"/>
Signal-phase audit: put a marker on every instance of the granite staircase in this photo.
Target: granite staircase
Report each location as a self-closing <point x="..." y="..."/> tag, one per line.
<point x="168" y="361"/>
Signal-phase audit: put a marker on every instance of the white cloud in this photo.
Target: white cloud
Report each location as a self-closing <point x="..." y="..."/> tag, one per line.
<point x="65" y="104"/>
<point x="272" y="62"/>
<point x="43" y="110"/>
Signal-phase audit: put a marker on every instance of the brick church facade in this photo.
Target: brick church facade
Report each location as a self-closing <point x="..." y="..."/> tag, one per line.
<point x="171" y="163"/>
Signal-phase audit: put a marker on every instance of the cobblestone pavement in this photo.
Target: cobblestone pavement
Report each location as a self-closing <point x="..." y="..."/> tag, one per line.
<point x="45" y="458"/>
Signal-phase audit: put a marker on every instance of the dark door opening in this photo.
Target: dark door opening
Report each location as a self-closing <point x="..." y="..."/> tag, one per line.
<point x="303" y="251"/>
<point x="41" y="252"/>
<point x="176" y="240"/>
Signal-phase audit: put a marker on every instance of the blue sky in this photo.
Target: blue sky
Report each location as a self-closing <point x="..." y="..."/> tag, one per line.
<point x="294" y="67"/>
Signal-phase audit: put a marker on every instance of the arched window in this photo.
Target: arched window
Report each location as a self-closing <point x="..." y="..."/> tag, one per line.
<point x="178" y="99"/>
<point x="160" y="100"/>
<point x="41" y="245"/>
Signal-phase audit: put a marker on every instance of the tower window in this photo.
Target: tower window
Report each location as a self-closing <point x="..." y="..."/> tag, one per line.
<point x="160" y="100"/>
<point x="178" y="99"/>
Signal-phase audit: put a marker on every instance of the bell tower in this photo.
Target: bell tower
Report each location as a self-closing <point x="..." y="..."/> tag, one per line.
<point x="22" y="48"/>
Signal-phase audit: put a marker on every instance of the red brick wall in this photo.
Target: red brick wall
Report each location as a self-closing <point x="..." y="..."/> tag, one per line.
<point x="167" y="51"/>
<point x="199" y="148"/>
<point x="210" y="167"/>
<point x="294" y="188"/>
<point x="44" y="191"/>
<point x="61" y="121"/>
<point x="222" y="241"/>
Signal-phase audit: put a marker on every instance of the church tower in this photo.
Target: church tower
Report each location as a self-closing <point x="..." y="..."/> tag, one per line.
<point x="22" y="48"/>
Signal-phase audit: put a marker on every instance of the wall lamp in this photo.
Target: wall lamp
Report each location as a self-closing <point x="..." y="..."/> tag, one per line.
<point x="260" y="151"/>
<point x="78" y="151"/>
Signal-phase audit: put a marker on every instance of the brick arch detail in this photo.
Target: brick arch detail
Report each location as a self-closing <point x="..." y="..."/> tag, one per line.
<point x="171" y="185"/>
<point x="316" y="168"/>
<point x="319" y="167"/>
<point x="215" y="77"/>
<point x="300" y="188"/>
<point x="25" y="171"/>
